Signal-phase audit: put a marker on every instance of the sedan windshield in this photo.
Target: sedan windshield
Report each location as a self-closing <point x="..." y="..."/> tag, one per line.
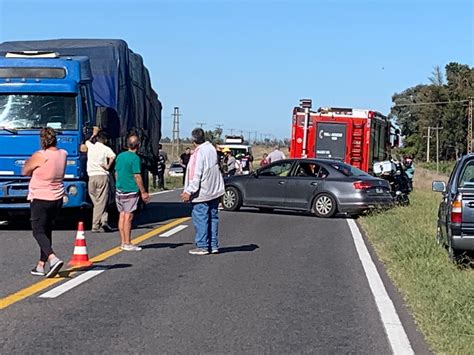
<point x="34" y="111"/>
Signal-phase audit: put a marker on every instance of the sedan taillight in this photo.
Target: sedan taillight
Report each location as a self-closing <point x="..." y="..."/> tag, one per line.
<point x="456" y="211"/>
<point x="362" y="185"/>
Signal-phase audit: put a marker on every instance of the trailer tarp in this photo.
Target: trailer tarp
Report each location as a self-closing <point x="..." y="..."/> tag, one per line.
<point x="122" y="88"/>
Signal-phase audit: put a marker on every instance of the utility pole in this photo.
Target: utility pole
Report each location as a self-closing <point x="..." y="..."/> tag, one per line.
<point x="469" y="126"/>
<point x="231" y="131"/>
<point x="428" y="145"/>
<point x="200" y="124"/>
<point x="437" y="148"/>
<point x="437" y="129"/>
<point x="175" y="141"/>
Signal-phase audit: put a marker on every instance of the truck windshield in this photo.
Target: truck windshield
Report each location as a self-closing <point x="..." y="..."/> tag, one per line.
<point x="35" y="111"/>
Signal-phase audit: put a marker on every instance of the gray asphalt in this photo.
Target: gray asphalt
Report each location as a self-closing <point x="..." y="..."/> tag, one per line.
<point x="283" y="283"/>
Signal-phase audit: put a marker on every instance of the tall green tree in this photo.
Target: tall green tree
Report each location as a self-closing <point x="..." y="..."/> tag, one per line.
<point x="439" y="104"/>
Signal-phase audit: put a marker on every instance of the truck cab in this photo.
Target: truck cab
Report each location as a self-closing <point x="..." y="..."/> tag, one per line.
<point x="42" y="90"/>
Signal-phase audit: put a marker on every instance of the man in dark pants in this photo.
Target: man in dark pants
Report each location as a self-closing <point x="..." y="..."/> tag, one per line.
<point x="161" y="169"/>
<point x="184" y="160"/>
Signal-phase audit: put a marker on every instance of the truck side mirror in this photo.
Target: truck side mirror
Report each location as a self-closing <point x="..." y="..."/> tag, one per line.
<point x="438" y="186"/>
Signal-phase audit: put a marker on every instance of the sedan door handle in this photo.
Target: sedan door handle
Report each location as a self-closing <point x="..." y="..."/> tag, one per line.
<point x="281" y="182"/>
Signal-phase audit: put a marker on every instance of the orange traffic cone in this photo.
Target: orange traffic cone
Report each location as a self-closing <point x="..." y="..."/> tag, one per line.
<point x="80" y="257"/>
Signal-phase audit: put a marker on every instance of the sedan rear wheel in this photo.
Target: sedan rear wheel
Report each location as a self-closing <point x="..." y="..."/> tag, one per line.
<point x="231" y="199"/>
<point x="324" y="206"/>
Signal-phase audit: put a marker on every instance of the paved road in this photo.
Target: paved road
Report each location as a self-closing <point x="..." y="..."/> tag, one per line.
<point x="283" y="283"/>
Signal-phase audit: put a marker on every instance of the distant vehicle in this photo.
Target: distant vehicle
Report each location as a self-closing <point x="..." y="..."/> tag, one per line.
<point x="358" y="137"/>
<point x="321" y="186"/>
<point x="455" y="228"/>
<point x="175" y="169"/>
<point x="236" y="145"/>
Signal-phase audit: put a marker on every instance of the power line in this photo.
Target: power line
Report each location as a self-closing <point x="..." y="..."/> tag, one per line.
<point x="431" y="103"/>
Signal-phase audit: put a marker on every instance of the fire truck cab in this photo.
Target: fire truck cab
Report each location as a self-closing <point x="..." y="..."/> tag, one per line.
<point x="355" y="136"/>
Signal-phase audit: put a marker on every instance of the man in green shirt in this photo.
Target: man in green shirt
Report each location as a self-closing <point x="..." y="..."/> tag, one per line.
<point x="129" y="187"/>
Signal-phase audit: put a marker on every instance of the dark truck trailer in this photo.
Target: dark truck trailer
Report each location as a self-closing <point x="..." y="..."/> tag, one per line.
<point x="123" y="96"/>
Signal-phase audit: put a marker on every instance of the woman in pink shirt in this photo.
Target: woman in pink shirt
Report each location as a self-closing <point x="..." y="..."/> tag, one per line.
<point x="46" y="190"/>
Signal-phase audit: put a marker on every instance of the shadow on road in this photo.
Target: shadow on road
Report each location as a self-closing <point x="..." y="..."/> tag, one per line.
<point x="292" y="213"/>
<point x="150" y="217"/>
<point x="164" y="245"/>
<point x="241" y="248"/>
<point x="97" y="266"/>
<point x="157" y="212"/>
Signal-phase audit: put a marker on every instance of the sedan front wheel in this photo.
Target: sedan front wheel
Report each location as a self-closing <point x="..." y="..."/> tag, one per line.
<point x="324" y="206"/>
<point x="231" y="199"/>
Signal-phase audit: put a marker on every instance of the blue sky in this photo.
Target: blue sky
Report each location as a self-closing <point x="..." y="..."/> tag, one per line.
<point x="245" y="64"/>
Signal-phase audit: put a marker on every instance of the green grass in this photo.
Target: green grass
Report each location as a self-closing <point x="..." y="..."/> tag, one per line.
<point x="439" y="294"/>
<point x="171" y="182"/>
<point x="445" y="167"/>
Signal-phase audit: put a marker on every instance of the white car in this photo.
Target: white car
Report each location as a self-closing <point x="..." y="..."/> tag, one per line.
<point x="175" y="169"/>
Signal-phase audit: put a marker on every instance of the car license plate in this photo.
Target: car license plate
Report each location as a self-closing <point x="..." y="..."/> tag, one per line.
<point x="379" y="190"/>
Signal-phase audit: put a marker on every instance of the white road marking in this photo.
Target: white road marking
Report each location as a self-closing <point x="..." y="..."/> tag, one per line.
<point x="160" y="192"/>
<point x="58" y="291"/>
<point x="173" y="231"/>
<point x="396" y="334"/>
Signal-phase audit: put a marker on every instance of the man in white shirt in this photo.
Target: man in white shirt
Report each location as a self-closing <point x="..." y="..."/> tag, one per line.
<point x="99" y="159"/>
<point x="276" y="155"/>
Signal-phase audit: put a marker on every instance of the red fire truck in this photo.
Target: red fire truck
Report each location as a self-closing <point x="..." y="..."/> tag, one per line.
<point x="357" y="137"/>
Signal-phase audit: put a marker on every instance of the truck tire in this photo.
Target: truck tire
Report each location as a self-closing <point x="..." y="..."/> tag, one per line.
<point x="324" y="206"/>
<point x="231" y="199"/>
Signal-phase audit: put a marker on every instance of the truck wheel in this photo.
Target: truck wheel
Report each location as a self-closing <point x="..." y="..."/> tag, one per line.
<point x="231" y="199"/>
<point x="324" y="206"/>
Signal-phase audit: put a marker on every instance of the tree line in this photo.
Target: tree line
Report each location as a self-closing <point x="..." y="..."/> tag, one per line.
<point x="441" y="103"/>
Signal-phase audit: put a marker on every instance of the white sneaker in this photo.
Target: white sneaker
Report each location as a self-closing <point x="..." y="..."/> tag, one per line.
<point x="130" y="247"/>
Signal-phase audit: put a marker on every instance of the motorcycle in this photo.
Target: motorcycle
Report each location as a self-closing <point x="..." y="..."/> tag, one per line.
<point x="393" y="172"/>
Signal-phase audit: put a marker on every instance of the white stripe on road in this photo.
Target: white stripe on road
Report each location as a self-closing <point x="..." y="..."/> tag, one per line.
<point x="173" y="231"/>
<point x="396" y="334"/>
<point x="58" y="291"/>
<point x="160" y="192"/>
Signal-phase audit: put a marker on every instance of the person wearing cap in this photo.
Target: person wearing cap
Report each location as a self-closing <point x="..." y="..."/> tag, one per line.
<point x="230" y="162"/>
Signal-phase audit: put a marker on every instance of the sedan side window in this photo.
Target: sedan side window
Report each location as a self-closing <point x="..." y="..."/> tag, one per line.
<point x="278" y="169"/>
<point x="307" y="170"/>
<point x="467" y="176"/>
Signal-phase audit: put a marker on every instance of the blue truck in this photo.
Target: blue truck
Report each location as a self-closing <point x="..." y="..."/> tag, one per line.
<point x="71" y="85"/>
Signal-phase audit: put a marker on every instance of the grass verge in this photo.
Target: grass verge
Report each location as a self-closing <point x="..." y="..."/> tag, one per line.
<point x="171" y="183"/>
<point x="439" y="294"/>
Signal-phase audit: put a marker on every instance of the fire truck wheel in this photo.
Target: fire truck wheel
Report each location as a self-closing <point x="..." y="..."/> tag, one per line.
<point x="231" y="199"/>
<point x="324" y="206"/>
